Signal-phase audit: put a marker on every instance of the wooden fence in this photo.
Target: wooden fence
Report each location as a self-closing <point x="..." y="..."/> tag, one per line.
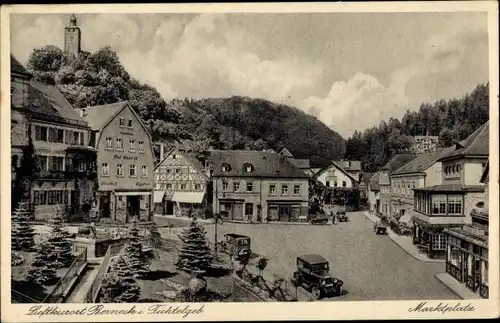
<point x="93" y="292"/>
<point x="57" y="294"/>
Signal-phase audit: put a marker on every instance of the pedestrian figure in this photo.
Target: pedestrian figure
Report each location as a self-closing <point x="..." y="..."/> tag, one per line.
<point x="333" y="218"/>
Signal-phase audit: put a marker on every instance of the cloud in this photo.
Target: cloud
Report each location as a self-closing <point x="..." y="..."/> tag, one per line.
<point x="363" y="101"/>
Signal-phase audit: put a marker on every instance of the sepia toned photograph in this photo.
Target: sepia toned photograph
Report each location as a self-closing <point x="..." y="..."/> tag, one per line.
<point x="200" y="156"/>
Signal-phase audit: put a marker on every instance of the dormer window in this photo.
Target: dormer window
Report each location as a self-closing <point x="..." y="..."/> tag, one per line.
<point x="226" y="168"/>
<point x="248" y="168"/>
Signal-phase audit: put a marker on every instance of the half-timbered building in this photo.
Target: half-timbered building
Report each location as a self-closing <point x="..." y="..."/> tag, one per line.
<point x="180" y="185"/>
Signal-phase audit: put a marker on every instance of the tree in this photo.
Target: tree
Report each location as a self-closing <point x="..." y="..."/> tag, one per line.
<point x="136" y="259"/>
<point x="25" y="173"/>
<point x="155" y="236"/>
<point x="58" y="242"/>
<point x="195" y="255"/>
<point x="22" y="230"/>
<point x="41" y="270"/>
<point x="446" y="137"/>
<point x="119" y="285"/>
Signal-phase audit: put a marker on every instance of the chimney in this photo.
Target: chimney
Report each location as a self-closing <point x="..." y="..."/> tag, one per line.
<point x="82" y="113"/>
<point x="162" y="150"/>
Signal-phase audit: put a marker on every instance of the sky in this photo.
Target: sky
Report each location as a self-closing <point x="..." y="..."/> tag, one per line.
<point x="350" y="70"/>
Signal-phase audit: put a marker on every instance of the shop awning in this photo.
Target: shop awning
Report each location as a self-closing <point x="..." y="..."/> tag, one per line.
<point x="188" y="197"/>
<point x="133" y="193"/>
<point x="158" y="196"/>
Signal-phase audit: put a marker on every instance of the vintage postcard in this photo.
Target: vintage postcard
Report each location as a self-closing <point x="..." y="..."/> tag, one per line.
<point x="203" y="162"/>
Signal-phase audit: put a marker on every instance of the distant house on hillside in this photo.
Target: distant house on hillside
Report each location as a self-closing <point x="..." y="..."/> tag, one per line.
<point x="424" y="144"/>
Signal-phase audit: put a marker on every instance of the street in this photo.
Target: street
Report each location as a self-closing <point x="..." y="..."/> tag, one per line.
<point x="372" y="266"/>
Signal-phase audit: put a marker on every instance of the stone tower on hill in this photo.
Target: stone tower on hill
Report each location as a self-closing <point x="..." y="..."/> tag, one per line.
<point x="72" y="38"/>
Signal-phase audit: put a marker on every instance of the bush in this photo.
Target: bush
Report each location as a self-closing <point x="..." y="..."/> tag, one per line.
<point x="16" y="259"/>
<point x="119" y="285"/>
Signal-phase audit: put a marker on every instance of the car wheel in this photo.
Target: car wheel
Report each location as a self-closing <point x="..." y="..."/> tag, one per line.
<point x="296" y="277"/>
<point x="316" y="293"/>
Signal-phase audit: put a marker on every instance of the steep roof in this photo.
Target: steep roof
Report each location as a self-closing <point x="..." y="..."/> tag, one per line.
<point x="365" y="177"/>
<point x="189" y="158"/>
<point x="477" y="144"/>
<point x="17" y="67"/>
<point x="333" y="163"/>
<point x="97" y="116"/>
<point x="285" y="152"/>
<point x="397" y="161"/>
<point x="350" y="165"/>
<point x="300" y="163"/>
<point x="374" y="182"/>
<point x="264" y="164"/>
<point x="421" y="163"/>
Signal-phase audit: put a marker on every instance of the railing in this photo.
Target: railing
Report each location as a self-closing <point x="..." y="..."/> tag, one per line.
<point x="18" y="297"/>
<point x="63" y="283"/>
<point x="101" y="272"/>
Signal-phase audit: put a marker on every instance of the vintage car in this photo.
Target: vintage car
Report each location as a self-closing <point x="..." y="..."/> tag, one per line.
<point x="342" y="215"/>
<point x="318" y="218"/>
<point x="380" y="227"/>
<point x="237" y="246"/>
<point x="313" y="274"/>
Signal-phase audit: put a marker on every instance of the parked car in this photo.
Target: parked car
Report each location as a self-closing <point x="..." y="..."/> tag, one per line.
<point x="237" y="246"/>
<point x="318" y="218"/>
<point x="380" y="227"/>
<point x="342" y="215"/>
<point x="313" y="274"/>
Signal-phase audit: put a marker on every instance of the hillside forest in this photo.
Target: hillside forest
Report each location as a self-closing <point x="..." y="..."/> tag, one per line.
<point x="452" y="120"/>
<point x="195" y="125"/>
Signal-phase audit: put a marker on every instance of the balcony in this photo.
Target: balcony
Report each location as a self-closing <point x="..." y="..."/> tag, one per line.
<point x="441" y="219"/>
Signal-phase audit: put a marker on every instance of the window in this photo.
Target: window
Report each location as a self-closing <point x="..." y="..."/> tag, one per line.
<point x="141" y="146"/>
<point x="236" y="186"/>
<point x="248" y="168"/>
<point x="455" y="204"/>
<point x="296" y="190"/>
<point x="43" y="160"/>
<point x="119" y="143"/>
<point x="249" y="187"/>
<point x="284" y="189"/>
<point x="144" y="170"/>
<point x="183" y="187"/>
<point x="327" y="184"/>
<point x="169" y="186"/>
<point x="224" y="186"/>
<point x="169" y="170"/>
<point x="119" y="170"/>
<point x="109" y="142"/>
<point x="197" y="187"/>
<point x="51" y="197"/>
<point x="173" y="156"/>
<point x="105" y="169"/>
<point x="76" y="137"/>
<point x="122" y="122"/>
<point x="59" y="136"/>
<point x="344" y="184"/>
<point x="249" y="209"/>
<point x="480" y="204"/>
<point x="131" y="145"/>
<point x="56" y="163"/>
<point x="132" y="172"/>
<point x="41" y="133"/>
<point x="59" y="197"/>
<point x="272" y="189"/>
<point x="439" y="241"/>
<point x="335" y="184"/>
<point x="129" y="124"/>
<point x="439" y="204"/>
<point x="177" y="170"/>
<point x="226" y="168"/>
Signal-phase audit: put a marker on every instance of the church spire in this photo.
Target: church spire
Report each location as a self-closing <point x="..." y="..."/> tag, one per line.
<point x="72" y="37"/>
<point x="72" y="21"/>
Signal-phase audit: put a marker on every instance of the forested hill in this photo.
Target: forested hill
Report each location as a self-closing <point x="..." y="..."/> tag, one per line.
<point x="221" y="123"/>
<point x="452" y="120"/>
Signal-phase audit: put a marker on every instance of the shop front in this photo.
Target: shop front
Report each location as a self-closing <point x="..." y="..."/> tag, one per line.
<point x="286" y="211"/>
<point x="467" y="258"/>
<point x="430" y="238"/>
<point x="232" y="209"/>
<point x="187" y="204"/>
<point x="124" y="206"/>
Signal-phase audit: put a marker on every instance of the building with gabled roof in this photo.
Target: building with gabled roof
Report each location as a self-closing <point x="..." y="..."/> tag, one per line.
<point x="449" y="203"/>
<point x="40" y="114"/>
<point x="374" y="193"/>
<point x="181" y="185"/>
<point x="125" y="161"/>
<point x="334" y="175"/>
<point x="353" y="167"/>
<point x="255" y="186"/>
<point x="385" y="180"/>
